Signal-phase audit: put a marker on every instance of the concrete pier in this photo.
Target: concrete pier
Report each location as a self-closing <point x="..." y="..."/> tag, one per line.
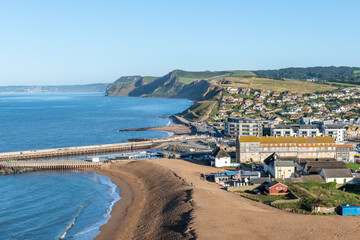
<point x="94" y="149"/>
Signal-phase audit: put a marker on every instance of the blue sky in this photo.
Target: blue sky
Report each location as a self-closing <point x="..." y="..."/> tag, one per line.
<point x="77" y="42"/>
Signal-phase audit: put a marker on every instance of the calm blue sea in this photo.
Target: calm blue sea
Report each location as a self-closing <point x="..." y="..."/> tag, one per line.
<point x="52" y="120"/>
<point x="67" y="204"/>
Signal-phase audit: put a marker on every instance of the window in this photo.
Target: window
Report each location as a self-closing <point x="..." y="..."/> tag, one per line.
<point x="278" y="188"/>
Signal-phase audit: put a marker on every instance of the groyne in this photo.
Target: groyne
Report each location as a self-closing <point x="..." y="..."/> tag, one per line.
<point x="135" y="129"/>
<point x="52" y="164"/>
<point x="93" y="149"/>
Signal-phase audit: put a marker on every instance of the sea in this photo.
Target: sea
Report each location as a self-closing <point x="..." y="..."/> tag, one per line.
<point x="68" y="204"/>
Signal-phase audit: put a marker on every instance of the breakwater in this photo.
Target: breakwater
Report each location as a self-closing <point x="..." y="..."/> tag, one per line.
<point x="135" y="129"/>
<point x="16" y="170"/>
<point x="53" y="164"/>
<point x="94" y="149"/>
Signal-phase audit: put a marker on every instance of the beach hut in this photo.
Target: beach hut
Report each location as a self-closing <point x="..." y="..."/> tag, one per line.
<point x="348" y="210"/>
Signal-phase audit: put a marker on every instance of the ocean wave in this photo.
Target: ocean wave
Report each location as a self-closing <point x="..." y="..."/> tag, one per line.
<point x="114" y="193"/>
<point x="84" y="232"/>
<point x="71" y="224"/>
<point x="169" y="134"/>
<point x="169" y="123"/>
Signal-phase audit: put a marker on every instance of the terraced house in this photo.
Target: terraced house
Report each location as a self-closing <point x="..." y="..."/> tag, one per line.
<point x="300" y="149"/>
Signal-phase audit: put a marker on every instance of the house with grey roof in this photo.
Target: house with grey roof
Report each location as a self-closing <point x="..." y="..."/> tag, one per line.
<point x="279" y="168"/>
<point x="338" y="175"/>
<point x="315" y="167"/>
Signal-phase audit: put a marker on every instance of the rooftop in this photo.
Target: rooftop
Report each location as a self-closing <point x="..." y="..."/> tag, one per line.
<point x="220" y="153"/>
<point x="326" y="139"/>
<point x="269" y="185"/>
<point x="337" y="173"/>
<point x="317" y="166"/>
<point x="284" y="163"/>
<point x="220" y="175"/>
<point x="231" y="173"/>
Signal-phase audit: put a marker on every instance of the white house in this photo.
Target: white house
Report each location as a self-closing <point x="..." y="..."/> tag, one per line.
<point x="278" y="168"/>
<point x="232" y="90"/>
<point x="338" y="175"/>
<point x="222" y="159"/>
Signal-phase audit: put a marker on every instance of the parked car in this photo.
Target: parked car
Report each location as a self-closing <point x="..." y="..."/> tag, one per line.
<point x="256" y="191"/>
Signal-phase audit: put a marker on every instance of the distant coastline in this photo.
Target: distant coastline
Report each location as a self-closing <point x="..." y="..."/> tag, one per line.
<point x="96" y="87"/>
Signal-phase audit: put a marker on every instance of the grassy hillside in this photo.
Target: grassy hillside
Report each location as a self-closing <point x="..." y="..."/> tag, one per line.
<point x="206" y="87"/>
<point x="276" y="85"/>
<point x="149" y="79"/>
<point x="201" y="111"/>
<point x="189" y="77"/>
<point x="357" y="72"/>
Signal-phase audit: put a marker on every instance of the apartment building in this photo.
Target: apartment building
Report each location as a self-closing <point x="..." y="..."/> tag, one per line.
<point x="296" y="131"/>
<point x="335" y="131"/>
<point x="242" y="127"/>
<point x="257" y="149"/>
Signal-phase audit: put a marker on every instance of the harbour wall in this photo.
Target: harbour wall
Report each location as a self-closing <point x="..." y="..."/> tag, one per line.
<point x="93" y="149"/>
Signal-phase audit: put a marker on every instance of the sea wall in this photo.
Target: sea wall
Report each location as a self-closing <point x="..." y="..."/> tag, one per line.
<point x="86" y="150"/>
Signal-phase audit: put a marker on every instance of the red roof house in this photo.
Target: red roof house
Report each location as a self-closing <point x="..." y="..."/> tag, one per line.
<point x="276" y="188"/>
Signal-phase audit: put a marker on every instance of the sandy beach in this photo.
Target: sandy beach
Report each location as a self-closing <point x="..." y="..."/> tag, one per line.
<point x="176" y="129"/>
<point x="157" y="204"/>
<point x="146" y="209"/>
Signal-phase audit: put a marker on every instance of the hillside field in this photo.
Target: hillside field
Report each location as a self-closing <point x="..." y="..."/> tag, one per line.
<point x="189" y="77"/>
<point x="149" y="79"/>
<point x="277" y="85"/>
<point x="201" y="111"/>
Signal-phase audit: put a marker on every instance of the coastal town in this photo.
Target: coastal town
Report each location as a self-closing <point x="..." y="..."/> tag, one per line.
<point x="180" y="120"/>
<point x="284" y="148"/>
<point x="289" y="107"/>
<point x="279" y="148"/>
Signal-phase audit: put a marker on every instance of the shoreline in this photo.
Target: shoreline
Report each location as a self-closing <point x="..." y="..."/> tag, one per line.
<point x="144" y="195"/>
<point x="120" y="209"/>
<point x="175" y="129"/>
